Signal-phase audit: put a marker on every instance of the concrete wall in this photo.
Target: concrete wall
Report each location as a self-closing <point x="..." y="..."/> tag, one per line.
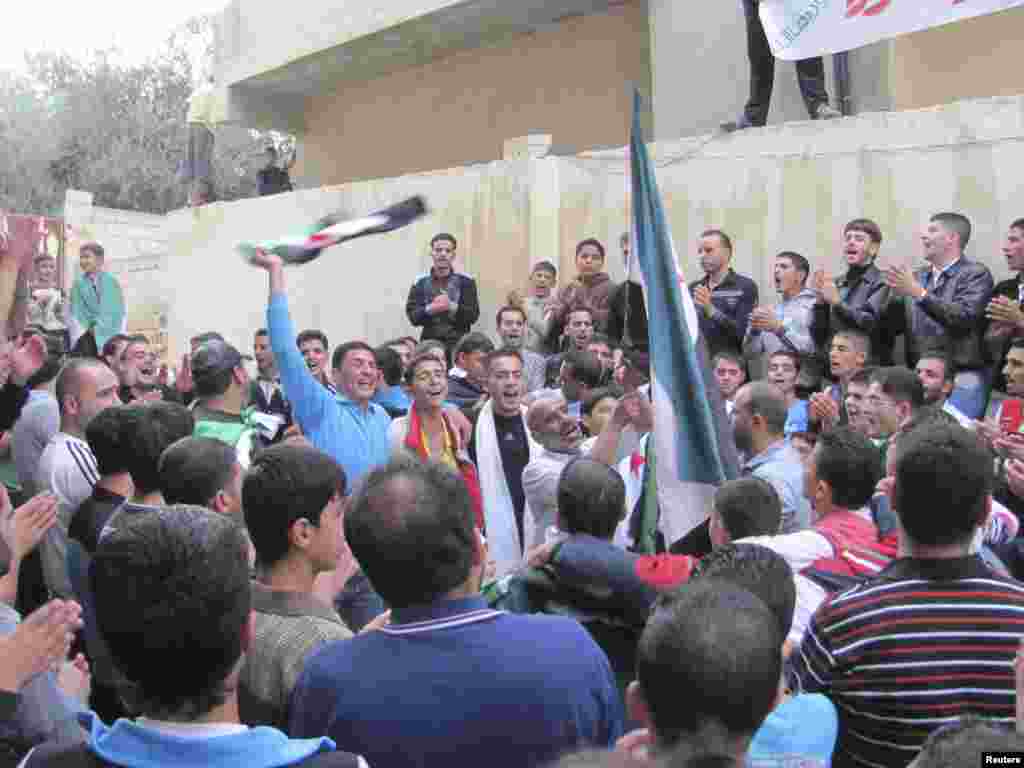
<point x="570" y="80"/>
<point x="973" y="58"/>
<point x="136" y="253"/>
<point x="784" y="187"/>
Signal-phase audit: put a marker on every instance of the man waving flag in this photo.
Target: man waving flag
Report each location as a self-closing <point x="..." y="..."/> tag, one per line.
<point x="693" y="451"/>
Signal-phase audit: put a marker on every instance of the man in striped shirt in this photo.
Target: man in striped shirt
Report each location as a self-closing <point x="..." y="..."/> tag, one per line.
<point x="67" y="467"/>
<point x="934" y="636"/>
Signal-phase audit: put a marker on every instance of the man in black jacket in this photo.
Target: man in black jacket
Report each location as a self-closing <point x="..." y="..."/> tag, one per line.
<point x="944" y="306"/>
<point x="857" y="300"/>
<point x="724" y="298"/>
<point x="443" y="303"/>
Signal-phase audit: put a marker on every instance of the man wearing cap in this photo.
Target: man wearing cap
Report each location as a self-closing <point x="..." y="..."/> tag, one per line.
<point x="221" y="385"/>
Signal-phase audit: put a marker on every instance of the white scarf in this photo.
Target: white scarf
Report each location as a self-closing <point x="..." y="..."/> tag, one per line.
<point x="503" y="542"/>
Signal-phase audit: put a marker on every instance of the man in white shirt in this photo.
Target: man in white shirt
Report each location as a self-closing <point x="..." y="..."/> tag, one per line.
<point x="67" y="467"/>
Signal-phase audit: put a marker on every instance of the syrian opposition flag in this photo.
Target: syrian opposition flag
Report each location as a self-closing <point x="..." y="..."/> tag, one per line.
<point x="800" y="29"/>
<point x="693" y="444"/>
<point x="337" y="228"/>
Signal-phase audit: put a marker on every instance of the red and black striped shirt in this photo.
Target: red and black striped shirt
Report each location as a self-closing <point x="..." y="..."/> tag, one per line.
<point x="921" y="645"/>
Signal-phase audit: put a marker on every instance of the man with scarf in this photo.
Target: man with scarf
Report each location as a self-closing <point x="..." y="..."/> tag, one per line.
<point x="427" y="432"/>
<point x="501" y="447"/>
<point x="857" y="300"/>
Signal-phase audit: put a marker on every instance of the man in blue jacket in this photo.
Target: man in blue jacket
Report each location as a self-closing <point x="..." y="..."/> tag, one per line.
<point x="444" y="302"/>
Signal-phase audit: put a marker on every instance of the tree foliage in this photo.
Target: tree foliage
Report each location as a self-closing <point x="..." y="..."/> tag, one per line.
<point x="115" y="130"/>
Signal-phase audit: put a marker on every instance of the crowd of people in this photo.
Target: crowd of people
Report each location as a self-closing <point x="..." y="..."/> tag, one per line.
<point x="453" y="550"/>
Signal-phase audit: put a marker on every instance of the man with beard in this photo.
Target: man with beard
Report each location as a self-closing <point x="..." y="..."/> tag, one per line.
<point x="723" y="297"/>
<point x="759" y="423"/>
<point x="313" y="345"/>
<point x="265" y="392"/>
<point x="444" y="302"/>
<point x="1004" y="314"/>
<point x="559" y="434"/>
<point x="511" y="322"/>
<point x="501" y="448"/>
<point x="138" y="372"/>
<point x="857" y="300"/>
<point x="788" y="324"/>
<point x="936" y="373"/>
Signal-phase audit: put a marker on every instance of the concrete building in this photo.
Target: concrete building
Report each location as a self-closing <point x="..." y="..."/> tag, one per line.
<point x="385" y="89"/>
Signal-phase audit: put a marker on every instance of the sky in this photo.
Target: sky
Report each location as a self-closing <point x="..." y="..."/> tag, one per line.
<point x="136" y="27"/>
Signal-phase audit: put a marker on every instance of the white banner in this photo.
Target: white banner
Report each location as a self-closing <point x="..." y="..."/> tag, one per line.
<point x="800" y="29"/>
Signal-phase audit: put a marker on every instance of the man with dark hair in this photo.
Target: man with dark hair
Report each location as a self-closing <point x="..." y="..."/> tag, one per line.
<point x="40" y="418"/>
<point x="843" y="546"/>
<point x="724" y="298"/>
<point x="604" y="349"/>
<point x="97" y="308"/>
<point x="591" y="288"/>
<point x="468" y="378"/>
<point x="511" y="322"/>
<point x="348" y="427"/>
<point x="412" y="529"/>
<point x="265" y="392"/>
<point x="963" y="635"/>
<point x="390" y="394"/>
<point x="848" y="352"/>
<point x="110" y="437"/>
<point x="746" y="506"/>
<point x="315" y="348"/>
<point x="111" y="351"/>
<point x="221" y="384"/>
<point x="859" y="299"/>
<point x="501" y="448"/>
<point x="443" y="302"/>
<point x="730" y="371"/>
<point x="759" y="427"/>
<point x="783" y="370"/>
<point x="537" y="305"/>
<point x="788" y="324"/>
<point x="937" y="375"/>
<point x="294" y="500"/>
<point x="581" y="372"/>
<point x="203" y="472"/>
<point x="945" y="305"/>
<point x="716" y="647"/>
<point x="895" y="394"/>
<point x="173" y="603"/>
<point x="579" y="328"/>
<point x="137" y="370"/>
<point x="157" y="426"/>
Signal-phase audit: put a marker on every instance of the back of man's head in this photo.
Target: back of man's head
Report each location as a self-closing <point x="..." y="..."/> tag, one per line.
<point x="474" y="341"/>
<point x="585" y="368"/>
<point x="390" y="365"/>
<point x="850" y="464"/>
<point x="157" y="425"/>
<point x="194" y="470"/>
<point x="963" y="742"/>
<point x="901" y="385"/>
<point x="944" y="478"/>
<point x="708" y="662"/>
<point x="172" y="601"/>
<point x="412" y="529"/>
<point x="286" y="483"/>
<point x="748" y="506"/>
<point x="69" y="380"/>
<point x="767" y="401"/>
<point x="761" y="571"/>
<point x="111" y="438"/>
<point x="591" y="498"/>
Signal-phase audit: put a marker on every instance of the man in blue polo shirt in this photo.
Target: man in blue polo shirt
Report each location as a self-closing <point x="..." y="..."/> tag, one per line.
<point x="449" y="682"/>
<point x="347" y="426"/>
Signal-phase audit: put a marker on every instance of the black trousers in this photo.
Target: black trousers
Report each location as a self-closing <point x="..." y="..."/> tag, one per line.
<point x="809" y="72"/>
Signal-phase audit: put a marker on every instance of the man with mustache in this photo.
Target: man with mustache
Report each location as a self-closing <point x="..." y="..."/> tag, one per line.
<point x="444" y="302"/>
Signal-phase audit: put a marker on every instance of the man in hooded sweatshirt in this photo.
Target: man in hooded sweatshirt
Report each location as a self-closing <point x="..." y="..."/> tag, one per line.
<point x="591" y="288"/>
